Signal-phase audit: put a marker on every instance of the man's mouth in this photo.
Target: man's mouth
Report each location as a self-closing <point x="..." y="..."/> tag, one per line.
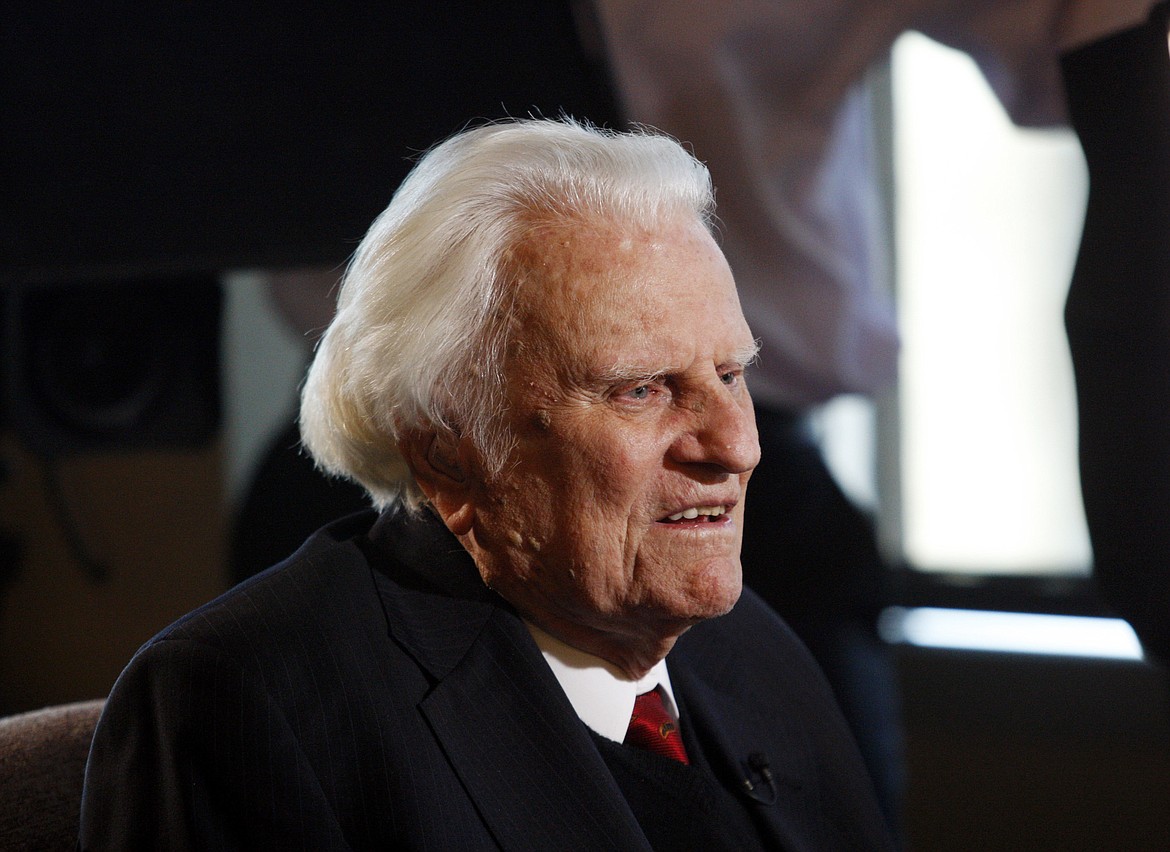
<point x="705" y="514"/>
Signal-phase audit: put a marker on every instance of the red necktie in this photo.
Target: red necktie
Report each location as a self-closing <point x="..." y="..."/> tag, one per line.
<point x="652" y="728"/>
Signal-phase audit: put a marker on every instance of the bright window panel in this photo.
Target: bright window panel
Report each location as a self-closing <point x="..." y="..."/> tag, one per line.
<point x="988" y="220"/>
<point x="1012" y="632"/>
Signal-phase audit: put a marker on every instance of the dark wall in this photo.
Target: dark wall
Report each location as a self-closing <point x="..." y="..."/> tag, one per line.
<point x="206" y="135"/>
<point x="1035" y="753"/>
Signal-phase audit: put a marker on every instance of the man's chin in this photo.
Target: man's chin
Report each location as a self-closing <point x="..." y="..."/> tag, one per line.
<point x="715" y="590"/>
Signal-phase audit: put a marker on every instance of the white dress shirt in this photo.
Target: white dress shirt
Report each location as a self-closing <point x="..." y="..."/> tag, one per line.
<point x="601" y="693"/>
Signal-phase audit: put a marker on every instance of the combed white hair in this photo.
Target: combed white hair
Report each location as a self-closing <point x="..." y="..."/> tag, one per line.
<point x="418" y="339"/>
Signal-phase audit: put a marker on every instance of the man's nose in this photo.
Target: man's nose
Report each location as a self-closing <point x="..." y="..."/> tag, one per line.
<point x="724" y="434"/>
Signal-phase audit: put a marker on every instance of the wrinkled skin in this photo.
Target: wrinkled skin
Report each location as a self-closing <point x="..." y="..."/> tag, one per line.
<point x="627" y="400"/>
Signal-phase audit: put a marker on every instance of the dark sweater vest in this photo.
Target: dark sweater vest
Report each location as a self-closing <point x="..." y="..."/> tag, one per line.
<point x="680" y="807"/>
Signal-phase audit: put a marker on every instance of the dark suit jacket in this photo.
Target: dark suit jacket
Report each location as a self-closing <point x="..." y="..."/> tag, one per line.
<point x="372" y="693"/>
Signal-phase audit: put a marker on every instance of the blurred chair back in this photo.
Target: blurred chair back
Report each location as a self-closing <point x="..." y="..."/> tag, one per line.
<point x="42" y="766"/>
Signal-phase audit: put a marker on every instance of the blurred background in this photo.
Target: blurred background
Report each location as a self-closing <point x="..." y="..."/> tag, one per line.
<point x="181" y="190"/>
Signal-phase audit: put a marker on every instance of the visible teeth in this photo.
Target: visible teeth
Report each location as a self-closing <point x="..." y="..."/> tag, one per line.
<point x="691" y="514"/>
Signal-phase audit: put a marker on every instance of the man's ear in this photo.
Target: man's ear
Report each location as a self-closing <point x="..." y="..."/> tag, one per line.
<point x="442" y="456"/>
<point x="439" y="462"/>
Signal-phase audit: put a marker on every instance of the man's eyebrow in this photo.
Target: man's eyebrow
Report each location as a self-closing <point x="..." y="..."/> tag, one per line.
<point x="746" y="355"/>
<point x="619" y="374"/>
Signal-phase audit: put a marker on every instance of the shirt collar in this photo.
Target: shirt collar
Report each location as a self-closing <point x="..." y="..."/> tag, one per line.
<point x="602" y="695"/>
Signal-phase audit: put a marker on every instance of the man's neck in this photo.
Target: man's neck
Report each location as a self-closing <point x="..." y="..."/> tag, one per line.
<point x="601" y="694"/>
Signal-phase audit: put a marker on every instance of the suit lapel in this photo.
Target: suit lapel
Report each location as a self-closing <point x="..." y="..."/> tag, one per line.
<point x="539" y="783"/>
<point x="496" y="709"/>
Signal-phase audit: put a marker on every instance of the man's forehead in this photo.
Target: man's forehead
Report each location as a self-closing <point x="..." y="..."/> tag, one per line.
<point x="575" y="266"/>
<point x="610" y="302"/>
<point x="575" y="258"/>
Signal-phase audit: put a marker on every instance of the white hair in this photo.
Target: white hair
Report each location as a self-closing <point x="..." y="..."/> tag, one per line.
<point x="418" y="339"/>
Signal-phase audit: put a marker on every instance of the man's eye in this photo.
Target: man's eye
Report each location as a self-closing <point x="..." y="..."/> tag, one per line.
<point x="729" y="378"/>
<point x="640" y="392"/>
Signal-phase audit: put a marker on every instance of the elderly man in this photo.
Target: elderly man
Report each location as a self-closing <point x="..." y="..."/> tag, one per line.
<point x="536" y="370"/>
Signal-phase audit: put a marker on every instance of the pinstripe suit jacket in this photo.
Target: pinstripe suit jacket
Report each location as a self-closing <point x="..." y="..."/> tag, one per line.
<point x="371" y="693"/>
